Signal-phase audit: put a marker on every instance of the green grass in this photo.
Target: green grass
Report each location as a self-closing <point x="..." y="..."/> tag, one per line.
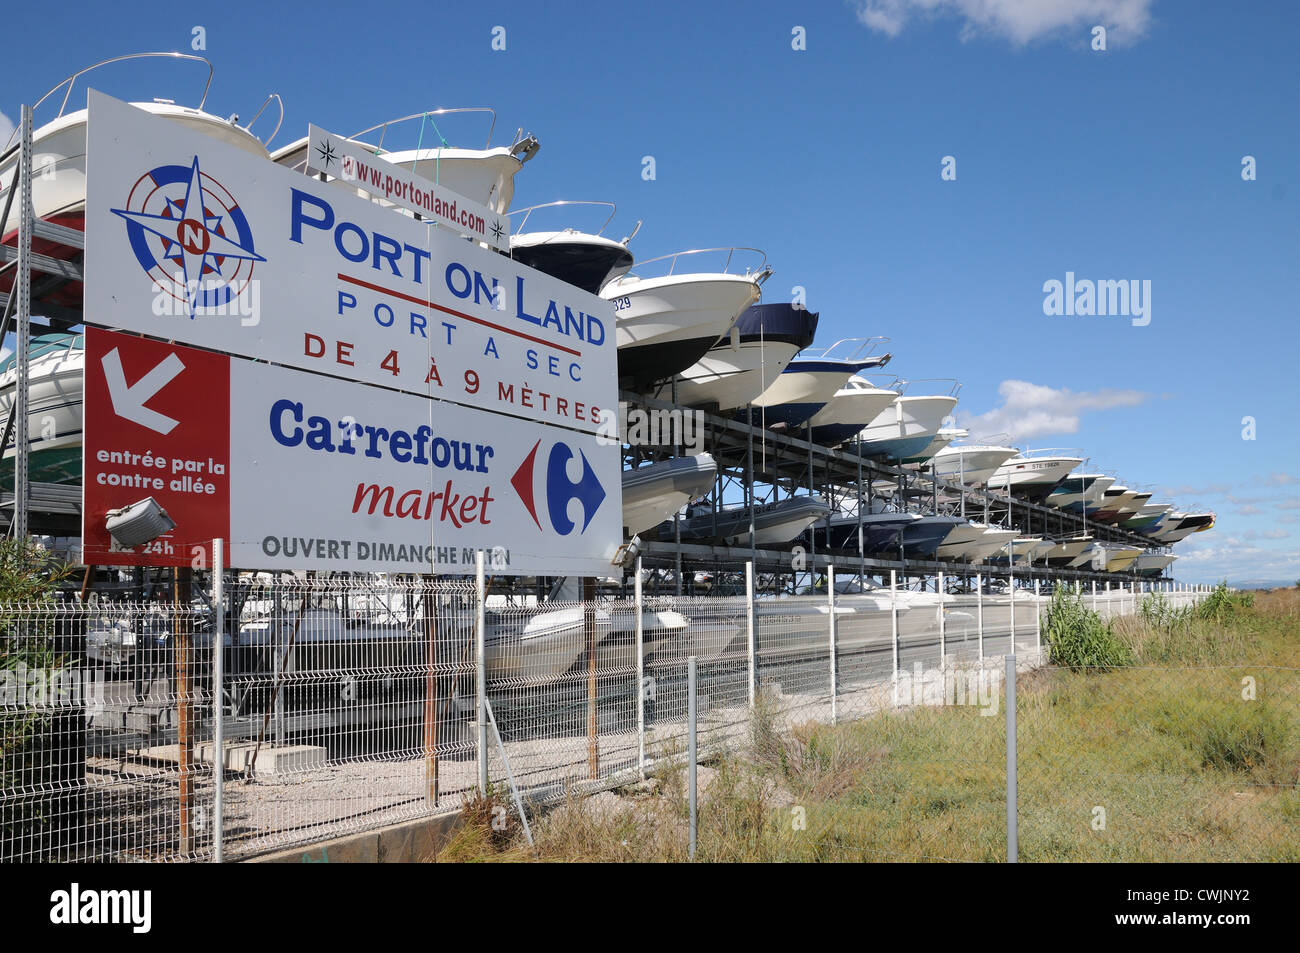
<point x="1189" y="750"/>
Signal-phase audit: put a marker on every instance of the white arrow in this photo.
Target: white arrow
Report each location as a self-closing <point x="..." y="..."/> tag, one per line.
<point x="129" y="402"/>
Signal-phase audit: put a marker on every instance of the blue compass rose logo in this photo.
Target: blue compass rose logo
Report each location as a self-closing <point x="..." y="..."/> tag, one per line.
<point x="190" y="235"/>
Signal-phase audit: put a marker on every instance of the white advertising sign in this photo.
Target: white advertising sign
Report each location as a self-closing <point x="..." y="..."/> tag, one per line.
<point x="304" y="471"/>
<point x="195" y="240"/>
<point x="352" y="163"/>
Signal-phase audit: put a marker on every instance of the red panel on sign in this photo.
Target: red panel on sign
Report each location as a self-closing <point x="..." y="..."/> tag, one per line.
<point x="157" y="424"/>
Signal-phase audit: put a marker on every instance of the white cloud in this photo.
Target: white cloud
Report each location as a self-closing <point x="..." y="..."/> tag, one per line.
<point x="1230" y="559"/>
<point x="1211" y="489"/>
<point x="1018" y="20"/>
<point x="1249" y="510"/>
<point x="1266" y="534"/>
<point x="6" y="129"/>
<point x="1032" y="410"/>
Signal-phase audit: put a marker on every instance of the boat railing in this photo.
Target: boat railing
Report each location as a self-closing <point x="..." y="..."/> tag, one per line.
<point x="760" y="274"/>
<point x="1000" y="439"/>
<point x="257" y="115"/>
<point x="527" y="213"/>
<point x="1055" y="452"/>
<point x="854" y="349"/>
<point x="383" y="127"/>
<point x="71" y="80"/>
<point x="954" y="385"/>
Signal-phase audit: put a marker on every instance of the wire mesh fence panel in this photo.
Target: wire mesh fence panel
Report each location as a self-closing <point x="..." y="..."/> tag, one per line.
<point x="1160" y="764"/>
<point x="344" y="704"/>
<point x="106" y="713"/>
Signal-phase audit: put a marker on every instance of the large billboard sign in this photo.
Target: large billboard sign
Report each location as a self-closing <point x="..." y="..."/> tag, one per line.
<point x="195" y="240"/>
<point x="302" y="471"/>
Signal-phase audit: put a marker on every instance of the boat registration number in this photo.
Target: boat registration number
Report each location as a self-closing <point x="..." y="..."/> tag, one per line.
<point x="621" y="303"/>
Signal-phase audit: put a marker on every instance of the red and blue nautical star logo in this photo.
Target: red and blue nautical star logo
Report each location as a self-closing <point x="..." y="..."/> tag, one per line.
<point x="559" y="489"/>
<point x="190" y="235"/>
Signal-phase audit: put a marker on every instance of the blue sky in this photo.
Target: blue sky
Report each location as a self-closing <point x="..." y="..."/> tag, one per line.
<point x="1116" y="164"/>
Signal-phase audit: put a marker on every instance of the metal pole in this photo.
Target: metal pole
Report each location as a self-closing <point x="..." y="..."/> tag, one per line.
<point x="943" y="647"/>
<point x="24" y="282"/>
<point x="430" y="622"/>
<point x="893" y="621"/>
<point x="979" y="610"/>
<point x="1013" y="852"/>
<point x="1094" y="595"/>
<point x="1038" y="618"/>
<point x="830" y="605"/>
<point x="218" y="706"/>
<point x="480" y="668"/>
<point x="750" y="646"/>
<point x="1011" y="585"/>
<point x="640" y="671"/>
<point x="692" y="754"/>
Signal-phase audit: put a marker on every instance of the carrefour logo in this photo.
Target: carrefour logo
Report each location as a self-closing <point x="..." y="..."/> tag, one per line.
<point x="559" y="490"/>
<point x="190" y="236"/>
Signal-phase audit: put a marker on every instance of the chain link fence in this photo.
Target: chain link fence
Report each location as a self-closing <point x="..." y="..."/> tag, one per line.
<point x="353" y="704"/>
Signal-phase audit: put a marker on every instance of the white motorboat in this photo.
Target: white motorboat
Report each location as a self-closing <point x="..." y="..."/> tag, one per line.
<point x="970" y="464"/>
<point x="1065" y="551"/>
<point x="1119" y="558"/>
<point x="531" y="647"/>
<point x="906" y="427"/>
<point x="666" y="324"/>
<point x="1093" y="557"/>
<point x="1033" y="477"/>
<point x="54" y="409"/>
<point x="740" y="366"/>
<point x="959" y="540"/>
<point x="59" y="160"/>
<point x="486" y="175"/>
<point x="773" y="523"/>
<point x="1073" y="491"/>
<point x="1113" y="500"/>
<point x="854" y="406"/>
<point x="808" y="384"/>
<point x="941" y="440"/>
<point x="1148" y="516"/>
<point x="1094" y="497"/>
<point x="1153" y="564"/>
<point x="588" y="260"/>
<point x="993" y="540"/>
<point x="652" y="494"/>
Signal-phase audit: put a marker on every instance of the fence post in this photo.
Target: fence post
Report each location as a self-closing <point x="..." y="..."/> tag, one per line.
<point x="943" y="645"/>
<point x="1013" y="851"/>
<point x="640" y="671"/>
<point x="830" y="604"/>
<point x="1038" y="618"/>
<point x="1011" y="586"/>
<point x="480" y="668"/>
<point x="181" y="581"/>
<point x="750" y="646"/>
<point x="1094" y="595"/>
<point x="692" y="753"/>
<point x="1109" y="613"/>
<point x="979" y="610"/>
<point x="893" y="617"/>
<point x="218" y="707"/>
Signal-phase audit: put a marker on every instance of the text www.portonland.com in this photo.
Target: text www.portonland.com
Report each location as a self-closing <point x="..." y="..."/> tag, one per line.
<point x="1172" y="919"/>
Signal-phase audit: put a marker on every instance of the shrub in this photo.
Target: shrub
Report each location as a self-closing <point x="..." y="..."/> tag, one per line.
<point x="1078" y="638"/>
